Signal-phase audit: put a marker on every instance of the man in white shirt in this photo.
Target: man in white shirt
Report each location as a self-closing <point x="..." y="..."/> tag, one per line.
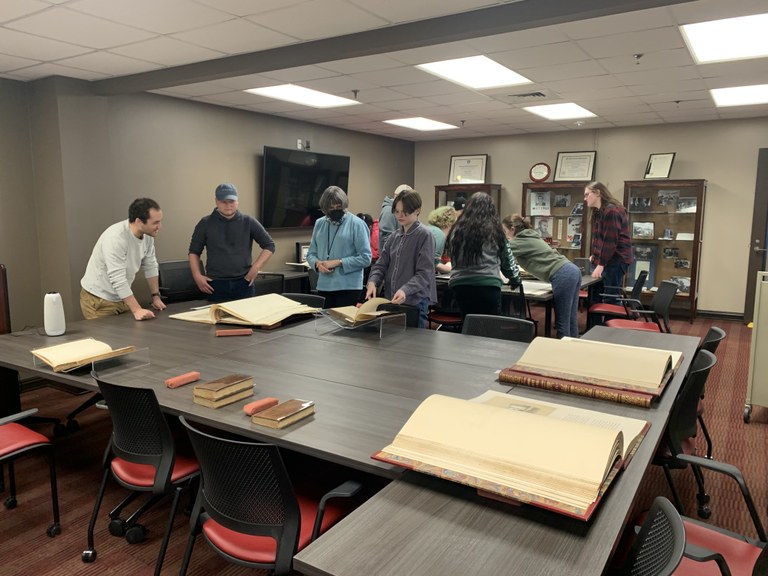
<point x="121" y="250"/>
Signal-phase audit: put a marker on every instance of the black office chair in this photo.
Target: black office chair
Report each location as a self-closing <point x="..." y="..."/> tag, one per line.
<point x="711" y="341"/>
<point x="177" y="283"/>
<point x="659" y="545"/>
<point x="502" y="327"/>
<point x="682" y="426"/>
<point x="626" y="308"/>
<point x="411" y="313"/>
<point x="656" y="319"/>
<point x="313" y="300"/>
<point x="17" y="441"/>
<point x="520" y="307"/>
<point x="247" y="508"/>
<point x="142" y="456"/>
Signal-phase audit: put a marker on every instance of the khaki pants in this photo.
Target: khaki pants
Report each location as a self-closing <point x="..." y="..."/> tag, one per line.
<point x="94" y="307"/>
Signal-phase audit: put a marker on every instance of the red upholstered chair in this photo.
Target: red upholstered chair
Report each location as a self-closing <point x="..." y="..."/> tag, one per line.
<point x="16" y="441"/>
<point x="246" y="505"/>
<point x="141" y="456"/>
<point x="628" y="303"/>
<point x="656" y="319"/>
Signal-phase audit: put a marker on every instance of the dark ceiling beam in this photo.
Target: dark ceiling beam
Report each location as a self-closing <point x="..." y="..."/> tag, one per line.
<point x="510" y="17"/>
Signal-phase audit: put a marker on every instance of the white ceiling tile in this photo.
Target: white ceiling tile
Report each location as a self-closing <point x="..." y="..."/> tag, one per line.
<point x="48" y="69"/>
<point x="683" y="105"/>
<point x="248" y="7"/>
<point x="408" y="10"/>
<point x="518" y="40"/>
<point x="653" y="92"/>
<point x="80" y="29"/>
<point x="659" y="76"/>
<point x="166" y="51"/>
<point x="616" y="24"/>
<point x="108" y="64"/>
<point x="426" y="54"/>
<point x="586" y="84"/>
<point x="363" y="64"/>
<point x="395" y="76"/>
<point x="190" y="90"/>
<point x="28" y="46"/>
<point x="10" y="9"/>
<point x="300" y="74"/>
<point x="235" y="37"/>
<point x="318" y="19"/>
<point x="633" y="43"/>
<point x="8" y="63"/>
<point x="706" y="10"/>
<point x="541" y="56"/>
<point x="648" y="61"/>
<point x="340" y="86"/>
<point x="585" y="68"/>
<point x="163" y="17"/>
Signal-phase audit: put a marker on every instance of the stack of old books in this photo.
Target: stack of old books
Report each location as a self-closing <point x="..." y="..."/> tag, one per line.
<point x="223" y="391"/>
<point x="284" y="414"/>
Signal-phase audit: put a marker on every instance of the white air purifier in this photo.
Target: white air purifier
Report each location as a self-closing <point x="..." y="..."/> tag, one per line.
<point x="53" y="313"/>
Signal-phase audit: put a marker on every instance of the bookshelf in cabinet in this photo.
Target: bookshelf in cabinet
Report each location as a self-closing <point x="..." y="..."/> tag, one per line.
<point x="558" y="212"/>
<point x="665" y="220"/>
<point x="447" y="193"/>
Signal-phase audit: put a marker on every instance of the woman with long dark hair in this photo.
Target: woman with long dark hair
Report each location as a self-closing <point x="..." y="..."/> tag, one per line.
<point x="479" y="254"/>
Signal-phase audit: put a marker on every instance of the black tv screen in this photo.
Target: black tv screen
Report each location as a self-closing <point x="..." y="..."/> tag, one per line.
<point x="292" y="183"/>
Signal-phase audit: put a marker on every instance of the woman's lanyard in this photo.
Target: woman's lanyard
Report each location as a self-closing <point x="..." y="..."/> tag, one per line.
<point x="330" y="240"/>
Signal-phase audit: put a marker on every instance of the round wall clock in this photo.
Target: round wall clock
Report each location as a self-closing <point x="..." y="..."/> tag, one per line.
<point x="540" y="172"/>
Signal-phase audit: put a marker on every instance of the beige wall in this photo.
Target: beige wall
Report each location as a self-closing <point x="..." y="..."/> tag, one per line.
<point x="722" y="152"/>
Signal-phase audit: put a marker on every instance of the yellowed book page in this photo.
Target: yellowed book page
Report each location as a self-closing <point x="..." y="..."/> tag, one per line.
<point x="366" y="311"/>
<point x="630" y="428"/>
<point x="74" y="351"/>
<point x="676" y="355"/>
<point x="644" y="367"/>
<point x="202" y="315"/>
<point x="263" y="310"/>
<point x="508" y="447"/>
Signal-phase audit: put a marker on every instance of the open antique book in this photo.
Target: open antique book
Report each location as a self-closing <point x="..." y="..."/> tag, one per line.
<point x="72" y="355"/>
<point x="352" y="315"/>
<point x="547" y="454"/>
<point x="602" y="370"/>
<point x="266" y="311"/>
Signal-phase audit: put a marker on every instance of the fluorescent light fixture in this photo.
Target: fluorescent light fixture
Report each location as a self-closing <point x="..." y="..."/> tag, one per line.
<point x="740" y="95"/>
<point x="730" y="39"/>
<point x="305" y="96"/>
<point x="567" y="111"/>
<point x="423" y="124"/>
<point x="478" y="72"/>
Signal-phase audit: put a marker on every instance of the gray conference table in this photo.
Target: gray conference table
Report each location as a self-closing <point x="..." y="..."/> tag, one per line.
<point x="365" y="388"/>
<point x="424" y="525"/>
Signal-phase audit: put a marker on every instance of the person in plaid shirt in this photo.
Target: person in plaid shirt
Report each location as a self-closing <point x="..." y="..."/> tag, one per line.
<point x="611" y="252"/>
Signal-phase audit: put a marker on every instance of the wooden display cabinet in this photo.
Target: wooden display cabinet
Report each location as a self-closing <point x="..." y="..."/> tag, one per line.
<point x="557" y="210"/>
<point x="665" y="221"/>
<point x="447" y="193"/>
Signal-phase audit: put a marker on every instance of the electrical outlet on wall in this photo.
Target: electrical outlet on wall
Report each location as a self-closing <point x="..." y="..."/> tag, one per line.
<point x="300" y="144"/>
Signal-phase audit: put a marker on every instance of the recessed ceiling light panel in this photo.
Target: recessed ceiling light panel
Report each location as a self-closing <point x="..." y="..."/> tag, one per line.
<point x="478" y="72"/>
<point x="740" y="95"/>
<point x="729" y="39"/>
<point x="419" y="123"/>
<point x="566" y="111"/>
<point x="304" y="96"/>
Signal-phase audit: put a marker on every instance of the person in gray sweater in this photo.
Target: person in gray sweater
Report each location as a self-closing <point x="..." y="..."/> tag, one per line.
<point x="405" y="268"/>
<point x="538" y="258"/>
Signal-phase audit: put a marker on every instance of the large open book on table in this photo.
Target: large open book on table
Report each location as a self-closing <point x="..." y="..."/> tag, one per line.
<point x="602" y="370"/>
<point x="266" y="311"/>
<point x="352" y="315"/>
<point x="72" y="355"/>
<point x="547" y="454"/>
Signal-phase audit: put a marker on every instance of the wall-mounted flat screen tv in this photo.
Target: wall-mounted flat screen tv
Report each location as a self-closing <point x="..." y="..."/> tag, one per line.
<point x="292" y="183"/>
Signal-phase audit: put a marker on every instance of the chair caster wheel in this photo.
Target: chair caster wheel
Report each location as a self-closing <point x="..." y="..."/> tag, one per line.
<point x="89" y="556"/>
<point x="704" y="511"/>
<point x="117" y="527"/>
<point x="59" y="430"/>
<point x="10" y="502"/>
<point x="73" y="426"/>
<point x="703" y="499"/>
<point x="747" y="413"/>
<point x="54" y="529"/>
<point x="135" y="534"/>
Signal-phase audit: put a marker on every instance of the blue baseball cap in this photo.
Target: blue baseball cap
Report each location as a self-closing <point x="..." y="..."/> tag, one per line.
<point x="226" y="192"/>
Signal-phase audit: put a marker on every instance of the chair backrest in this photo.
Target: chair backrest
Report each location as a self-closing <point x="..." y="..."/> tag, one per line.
<point x="411" y="313"/>
<point x="682" y="423"/>
<point x="662" y="302"/>
<point x="140" y="433"/>
<point x="312" y="276"/>
<point x="712" y="340"/>
<point x="502" y="327"/>
<point x="659" y="546"/>
<point x="5" y="308"/>
<point x="269" y="283"/>
<point x="177" y="283"/>
<point x="245" y="487"/>
<point x="314" y="300"/>
<point x="518" y="303"/>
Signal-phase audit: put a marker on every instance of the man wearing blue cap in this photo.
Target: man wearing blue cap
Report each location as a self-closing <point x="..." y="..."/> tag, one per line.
<point x="227" y="235"/>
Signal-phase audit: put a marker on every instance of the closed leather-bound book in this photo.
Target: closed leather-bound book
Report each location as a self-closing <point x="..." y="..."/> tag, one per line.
<point x="226" y="400"/>
<point x="224" y="386"/>
<point x="284" y="414"/>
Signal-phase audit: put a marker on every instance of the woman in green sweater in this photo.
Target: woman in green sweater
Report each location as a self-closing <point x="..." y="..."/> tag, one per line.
<point x="539" y="259"/>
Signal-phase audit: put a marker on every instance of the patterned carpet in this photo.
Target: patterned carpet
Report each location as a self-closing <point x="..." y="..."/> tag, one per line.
<point x="27" y="550"/>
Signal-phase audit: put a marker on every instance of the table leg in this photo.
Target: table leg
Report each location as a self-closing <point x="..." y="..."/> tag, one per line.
<point x="548" y="318"/>
<point x="10" y="393"/>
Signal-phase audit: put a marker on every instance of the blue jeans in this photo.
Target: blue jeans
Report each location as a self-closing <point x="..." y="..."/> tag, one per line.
<point x="613" y="278"/>
<point x="226" y="289"/>
<point x="423" y="307"/>
<point x="566" y="283"/>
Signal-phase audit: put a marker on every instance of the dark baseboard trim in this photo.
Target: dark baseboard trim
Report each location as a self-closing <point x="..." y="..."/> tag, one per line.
<point x="723" y="315"/>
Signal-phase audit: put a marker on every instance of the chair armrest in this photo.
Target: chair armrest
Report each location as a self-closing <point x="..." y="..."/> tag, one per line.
<point x="18" y="416"/>
<point x="700" y="554"/>
<point x="735" y="473"/>
<point x="345" y="490"/>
